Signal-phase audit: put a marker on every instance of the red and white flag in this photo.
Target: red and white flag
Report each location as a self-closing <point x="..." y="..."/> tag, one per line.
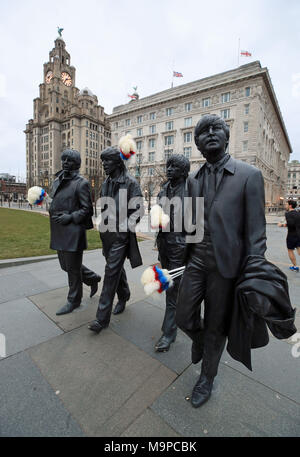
<point x="246" y="53"/>
<point x="132" y="96"/>
<point x="177" y="74"/>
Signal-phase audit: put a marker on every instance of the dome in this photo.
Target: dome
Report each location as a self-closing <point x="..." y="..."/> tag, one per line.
<point x="86" y="91"/>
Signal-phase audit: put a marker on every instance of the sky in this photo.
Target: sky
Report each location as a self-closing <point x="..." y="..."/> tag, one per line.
<point x="117" y="44"/>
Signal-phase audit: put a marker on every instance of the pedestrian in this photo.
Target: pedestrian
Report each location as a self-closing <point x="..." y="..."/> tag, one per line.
<point x="292" y="217"/>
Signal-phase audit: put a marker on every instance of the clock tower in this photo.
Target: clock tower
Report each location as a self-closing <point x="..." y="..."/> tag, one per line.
<point x="64" y="117"/>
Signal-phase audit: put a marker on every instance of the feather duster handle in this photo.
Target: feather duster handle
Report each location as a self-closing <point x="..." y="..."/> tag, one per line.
<point x="158" y="218"/>
<point x="155" y="279"/>
<point x="36" y="195"/>
<point x="127" y="146"/>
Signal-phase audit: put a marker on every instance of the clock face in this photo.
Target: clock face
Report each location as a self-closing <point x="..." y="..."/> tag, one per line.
<point x="66" y="79"/>
<point x="49" y="76"/>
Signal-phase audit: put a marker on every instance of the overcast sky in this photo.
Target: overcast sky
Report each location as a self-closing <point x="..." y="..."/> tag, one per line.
<point x="117" y="44"/>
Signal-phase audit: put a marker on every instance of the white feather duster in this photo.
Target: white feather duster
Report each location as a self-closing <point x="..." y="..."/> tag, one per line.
<point x="127" y="146"/>
<point x="158" y="218"/>
<point x="36" y="195"/>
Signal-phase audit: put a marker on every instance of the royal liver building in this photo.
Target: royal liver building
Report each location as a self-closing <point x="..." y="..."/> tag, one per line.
<point x="64" y="117"/>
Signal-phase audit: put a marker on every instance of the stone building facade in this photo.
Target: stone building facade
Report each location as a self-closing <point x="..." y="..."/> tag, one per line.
<point x="164" y="123"/>
<point x="293" y="181"/>
<point x="64" y="117"/>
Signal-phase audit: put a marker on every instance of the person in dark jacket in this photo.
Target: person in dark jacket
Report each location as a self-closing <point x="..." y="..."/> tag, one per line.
<point x="71" y="213"/>
<point x="171" y="241"/>
<point x="292" y="217"/>
<point x="234" y="227"/>
<point x="120" y="187"/>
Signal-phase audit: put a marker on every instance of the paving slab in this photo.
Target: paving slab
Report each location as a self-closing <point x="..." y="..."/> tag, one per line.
<point x="99" y="375"/>
<point x="238" y="407"/>
<point x="24" y="325"/>
<point x="141" y="324"/>
<point x="16" y="285"/>
<point x="149" y="425"/>
<point x="28" y="405"/>
<point x="274" y="366"/>
<point x="49" y="302"/>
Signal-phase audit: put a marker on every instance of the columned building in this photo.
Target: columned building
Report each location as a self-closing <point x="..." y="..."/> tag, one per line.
<point x="293" y="181"/>
<point x="163" y="124"/>
<point x="64" y="117"/>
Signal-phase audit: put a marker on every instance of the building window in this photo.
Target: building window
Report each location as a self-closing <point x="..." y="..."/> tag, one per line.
<point x="169" y="125"/>
<point x="187" y="152"/>
<point x="225" y="113"/>
<point x="247" y="92"/>
<point x="225" y="97"/>
<point x="151" y="143"/>
<point x="168" y="153"/>
<point x="152" y="129"/>
<point x="169" y="111"/>
<point x="246" y="125"/>
<point x="150" y="171"/>
<point x="139" y="119"/>
<point x="187" y="138"/>
<point x="245" y="146"/>
<point x="188" y="107"/>
<point x="205" y="102"/>
<point x="151" y="156"/>
<point x="127" y="122"/>
<point x="247" y="109"/>
<point x="116" y="125"/>
<point x="188" y="122"/>
<point x="169" y="140"/>
<point x="152" y="116"/>
<point x="139" y="132"/>
<point x="139" y="145"/>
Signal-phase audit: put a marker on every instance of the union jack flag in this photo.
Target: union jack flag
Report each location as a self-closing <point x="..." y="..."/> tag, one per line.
<point x="177" y="74"/>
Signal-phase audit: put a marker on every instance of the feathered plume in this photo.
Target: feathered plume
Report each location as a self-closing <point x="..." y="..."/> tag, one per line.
<point x="36" y="195"/>
<point x="155" y="279"/>
<point x="127" y="146"/>
<point x="158" y="218"/>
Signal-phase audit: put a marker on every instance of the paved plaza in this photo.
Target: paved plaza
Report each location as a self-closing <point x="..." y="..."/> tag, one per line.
<point x="60" y="379"/>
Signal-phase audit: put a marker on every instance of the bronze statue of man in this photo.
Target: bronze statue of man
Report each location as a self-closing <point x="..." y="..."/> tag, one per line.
<point x="171" y="242"/>
<point x="71" y="213"/>
<point x="234" y="228"/>
<point x="121" y="242"/>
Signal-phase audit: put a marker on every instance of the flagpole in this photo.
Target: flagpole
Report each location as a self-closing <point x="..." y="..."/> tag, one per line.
<point x="172" y="74"/>
<point x="239" y="52"/>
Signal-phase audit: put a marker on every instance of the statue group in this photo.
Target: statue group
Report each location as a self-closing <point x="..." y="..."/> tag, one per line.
<point x="226" y="269"/>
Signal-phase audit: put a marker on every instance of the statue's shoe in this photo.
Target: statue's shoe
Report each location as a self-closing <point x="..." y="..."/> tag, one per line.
<point x="67" y="308"/>
<point x="120" y="307"/>
<point x="94" y="286"/>
<point x="202" y="391"/>
<point x="164" y="343"/>
<point x="95" y="326"/>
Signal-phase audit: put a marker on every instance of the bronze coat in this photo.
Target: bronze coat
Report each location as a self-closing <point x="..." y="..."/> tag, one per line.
<point x="70" y="196"/>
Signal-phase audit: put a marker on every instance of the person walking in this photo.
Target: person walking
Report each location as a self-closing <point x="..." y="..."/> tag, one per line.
<point x="292" y="217"/>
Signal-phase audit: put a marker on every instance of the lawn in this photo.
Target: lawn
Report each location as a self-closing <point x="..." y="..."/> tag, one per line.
<point x="27" y="234"/>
